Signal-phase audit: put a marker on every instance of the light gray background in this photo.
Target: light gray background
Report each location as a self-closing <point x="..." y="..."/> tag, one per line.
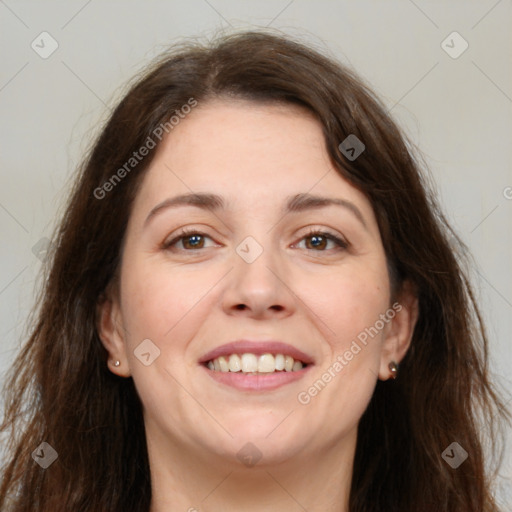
<point x="458" y="111"/>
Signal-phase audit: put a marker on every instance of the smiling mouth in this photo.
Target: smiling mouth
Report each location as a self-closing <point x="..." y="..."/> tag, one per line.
<point x="252" y="364"/>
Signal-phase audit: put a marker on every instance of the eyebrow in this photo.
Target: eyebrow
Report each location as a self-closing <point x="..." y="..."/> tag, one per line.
<point x="297" y="203"/>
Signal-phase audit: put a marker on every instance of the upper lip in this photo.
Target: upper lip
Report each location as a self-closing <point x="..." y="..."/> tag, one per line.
<point x="257" y="348"/>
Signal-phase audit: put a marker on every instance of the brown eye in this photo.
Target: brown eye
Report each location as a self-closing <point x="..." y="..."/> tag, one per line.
<point x="193" y="241"/>
<point x="189" y="240"/>
<point x="318" y="241"/>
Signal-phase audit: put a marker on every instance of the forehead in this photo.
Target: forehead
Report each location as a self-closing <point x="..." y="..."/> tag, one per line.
<point x="243" y="137"/>
<point x="253" y="154"/>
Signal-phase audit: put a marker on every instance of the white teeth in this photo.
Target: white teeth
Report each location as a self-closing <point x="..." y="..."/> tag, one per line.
<point x="224" y="365"/>
<point x="249" y="363"/>
<point x="235" y="363"/>
<point x="297" y="365"/>
<point x="255" y="365"/>
<point x="266" y="363"/>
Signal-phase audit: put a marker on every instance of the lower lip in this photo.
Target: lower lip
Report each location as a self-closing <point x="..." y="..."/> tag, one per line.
<point x="244" y="382"/>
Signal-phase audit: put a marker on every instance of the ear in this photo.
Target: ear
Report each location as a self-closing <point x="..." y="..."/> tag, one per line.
<point x="110" y="331"/>
<point x="399" y="334"/>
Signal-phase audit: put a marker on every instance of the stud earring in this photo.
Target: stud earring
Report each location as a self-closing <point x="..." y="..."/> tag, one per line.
<point x="117" y="363"/>
<point x="393" y="368"/>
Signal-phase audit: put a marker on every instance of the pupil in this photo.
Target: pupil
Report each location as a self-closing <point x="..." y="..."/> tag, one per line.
<point x="194" y="237"/>
<point x="315" y="239"/>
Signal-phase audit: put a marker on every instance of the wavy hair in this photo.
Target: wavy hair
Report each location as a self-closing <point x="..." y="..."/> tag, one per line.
<point x="61" y="391"/>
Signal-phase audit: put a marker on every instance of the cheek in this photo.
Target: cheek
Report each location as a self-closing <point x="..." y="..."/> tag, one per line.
<point x="159" y="301"/>
<point x="350" y="308"/>
<point x="342" y="387"/>
<point x="164" y="305"/>
<point x="349" y="303"/>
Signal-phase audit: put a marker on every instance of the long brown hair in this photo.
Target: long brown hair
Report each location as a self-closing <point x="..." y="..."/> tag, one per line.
<point x="60" y="389"/>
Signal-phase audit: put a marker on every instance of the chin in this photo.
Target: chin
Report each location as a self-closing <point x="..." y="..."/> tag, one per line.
<point x="263" y="451"/>
<point x="271" y="443"/>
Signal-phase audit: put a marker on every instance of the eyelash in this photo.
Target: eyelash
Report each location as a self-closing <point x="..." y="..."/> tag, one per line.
<point x="185" y="233"/>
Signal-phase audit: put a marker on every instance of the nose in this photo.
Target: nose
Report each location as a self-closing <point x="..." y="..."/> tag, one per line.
<point x="260" y="289"/>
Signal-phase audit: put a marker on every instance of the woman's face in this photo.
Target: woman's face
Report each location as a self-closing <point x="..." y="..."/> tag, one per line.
<point x="256" y="265"/>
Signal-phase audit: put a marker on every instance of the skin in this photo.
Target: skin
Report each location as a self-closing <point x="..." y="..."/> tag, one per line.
<point x="188" y="301"/>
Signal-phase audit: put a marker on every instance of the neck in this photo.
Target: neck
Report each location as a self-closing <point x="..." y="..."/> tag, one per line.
<point x="184" y="480"/>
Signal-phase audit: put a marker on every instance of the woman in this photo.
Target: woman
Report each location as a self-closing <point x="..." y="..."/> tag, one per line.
<point x="252" y="303"/>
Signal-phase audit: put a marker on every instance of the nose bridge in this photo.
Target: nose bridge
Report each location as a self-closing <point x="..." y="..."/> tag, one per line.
<point x="258" y="244"/>
<point x="255" y="258"/>
<point x="257" y="280"/>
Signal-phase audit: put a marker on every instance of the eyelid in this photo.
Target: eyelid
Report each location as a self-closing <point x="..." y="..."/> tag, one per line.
<point x="339" y="240"/>
<point x="183" y="233"/>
